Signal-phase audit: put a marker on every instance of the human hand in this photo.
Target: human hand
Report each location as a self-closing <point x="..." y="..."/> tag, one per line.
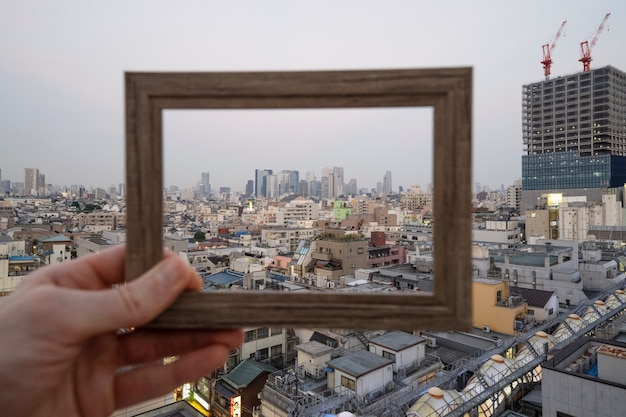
<point x="61" y="351"/>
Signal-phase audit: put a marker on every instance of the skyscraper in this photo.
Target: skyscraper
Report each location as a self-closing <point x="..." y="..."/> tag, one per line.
<point x="205" y="184"/>
<point x="387" y="187"/>
<point x="249" y="188"/>
<point x="574" y="135"/>
<point x="261" y="182"/>
<point x="31" y="181"/>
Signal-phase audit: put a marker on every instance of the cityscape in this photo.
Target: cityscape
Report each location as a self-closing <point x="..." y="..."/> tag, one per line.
<point x="548" y="280"/>
<point x="291" y="204"/>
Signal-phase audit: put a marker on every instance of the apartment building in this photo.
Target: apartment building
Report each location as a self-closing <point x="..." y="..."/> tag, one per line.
<point x="98" y="220"/>
<point x="337" y="254"/>
<point x="287" y="238"/>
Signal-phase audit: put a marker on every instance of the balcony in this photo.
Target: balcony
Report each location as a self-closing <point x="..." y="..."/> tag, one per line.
<point x="322" y="256"/>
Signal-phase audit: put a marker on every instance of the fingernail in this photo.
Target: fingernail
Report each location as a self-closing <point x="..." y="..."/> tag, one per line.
<point x="166" y="273"/>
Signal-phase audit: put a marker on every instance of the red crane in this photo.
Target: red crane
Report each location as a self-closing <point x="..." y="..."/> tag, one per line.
<point x="547" y="51"/>
<point x="586" y="47"/>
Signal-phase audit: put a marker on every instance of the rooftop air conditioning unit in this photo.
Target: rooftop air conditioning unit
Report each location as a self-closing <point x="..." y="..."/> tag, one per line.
<point x="431" y="342"/>
<point x="486" y="329"/>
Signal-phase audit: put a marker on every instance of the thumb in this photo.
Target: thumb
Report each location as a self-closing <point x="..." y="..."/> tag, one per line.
<point x="137" y="302"/>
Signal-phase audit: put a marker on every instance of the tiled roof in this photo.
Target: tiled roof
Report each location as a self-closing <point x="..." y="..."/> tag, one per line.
<point x="534" y="298"/>
<point x="246" y="372"/>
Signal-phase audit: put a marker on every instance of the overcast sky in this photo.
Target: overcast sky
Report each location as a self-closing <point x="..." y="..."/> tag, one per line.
<point x="62" y="66"/>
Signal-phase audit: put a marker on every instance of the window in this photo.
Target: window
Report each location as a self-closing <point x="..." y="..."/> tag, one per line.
<point x="389" y="355"/>
<point x="277" y="350"/>
<point x="498" y="296"/>
<point x="348" y="383"/>
<point x="261" y="354"/>
<point x="262" y="333"/>
<point x="249" y="336"/>
<point x="276" y="330"/>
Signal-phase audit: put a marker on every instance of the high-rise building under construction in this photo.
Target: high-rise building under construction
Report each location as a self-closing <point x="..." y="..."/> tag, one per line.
<point x="574" y="135"/>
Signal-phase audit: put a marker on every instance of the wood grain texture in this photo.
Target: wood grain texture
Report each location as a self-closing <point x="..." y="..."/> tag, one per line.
<point x="447" y="90"/>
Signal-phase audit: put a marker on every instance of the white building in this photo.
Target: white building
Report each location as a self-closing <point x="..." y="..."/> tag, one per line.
<point x="363" y="373"/>
<point x="405" y="349"/>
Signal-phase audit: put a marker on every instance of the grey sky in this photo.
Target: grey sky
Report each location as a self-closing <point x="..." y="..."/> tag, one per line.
<point x="62" y="65"/>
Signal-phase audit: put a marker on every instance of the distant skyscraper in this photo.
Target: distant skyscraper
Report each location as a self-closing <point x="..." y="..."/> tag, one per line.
<point x="261" y="182"/>
<point x="335" y="182"/>
<point x="287" y="182"/>
<point x="574" y="135"/>
<point x="249" y="188"/>
<point x="31" y="181"/>
<point x="205" y="184"/>
<point x="387" y="186"/>
<point x="351" y="187"/>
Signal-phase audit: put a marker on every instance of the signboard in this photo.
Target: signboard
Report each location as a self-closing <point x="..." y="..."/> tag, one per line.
<point x="235" y="406"/>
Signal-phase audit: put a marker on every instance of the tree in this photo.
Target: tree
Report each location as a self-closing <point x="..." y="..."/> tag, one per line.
<point x="199" y="236"/>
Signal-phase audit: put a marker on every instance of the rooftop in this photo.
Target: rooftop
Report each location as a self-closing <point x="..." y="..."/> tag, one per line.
<point x="397" y="340"/>
<point x="359" y="363"/>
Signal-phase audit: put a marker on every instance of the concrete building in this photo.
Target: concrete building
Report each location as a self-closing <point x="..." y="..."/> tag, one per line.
<point x="577" y="217"/>
<point x="495" y="308"/>
<point x="415" y="199"/>
<point x="547" y="265"/>
<point x="361" y="373"/>
<point x="405" y="349"/>
<point x="573" y="135"/>
<point x="336" y="254"/>
<point x="586" y="379"/>
<point x="98" y="220"/>
<point x="298" y="209"/>
<point x="514" y="195"/>
<point x="91" y="244"/>
<point x="500" y="231"/>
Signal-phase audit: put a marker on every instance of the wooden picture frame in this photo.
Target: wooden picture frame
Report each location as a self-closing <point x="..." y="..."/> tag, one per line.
<point x="447" y="90"/>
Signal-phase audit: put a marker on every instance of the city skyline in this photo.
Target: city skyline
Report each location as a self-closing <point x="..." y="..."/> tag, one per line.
<point x="205" y="188"/>
<point x="62" y="72"/>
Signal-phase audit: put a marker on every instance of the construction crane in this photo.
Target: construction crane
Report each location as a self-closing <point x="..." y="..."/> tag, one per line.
<point x="586" y="47"/>
<point x="547" y="51"/>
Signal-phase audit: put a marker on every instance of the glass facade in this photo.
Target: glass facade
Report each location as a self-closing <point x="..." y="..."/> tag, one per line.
<point x="574" y="131"/>
<point x="563" y="170"/>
